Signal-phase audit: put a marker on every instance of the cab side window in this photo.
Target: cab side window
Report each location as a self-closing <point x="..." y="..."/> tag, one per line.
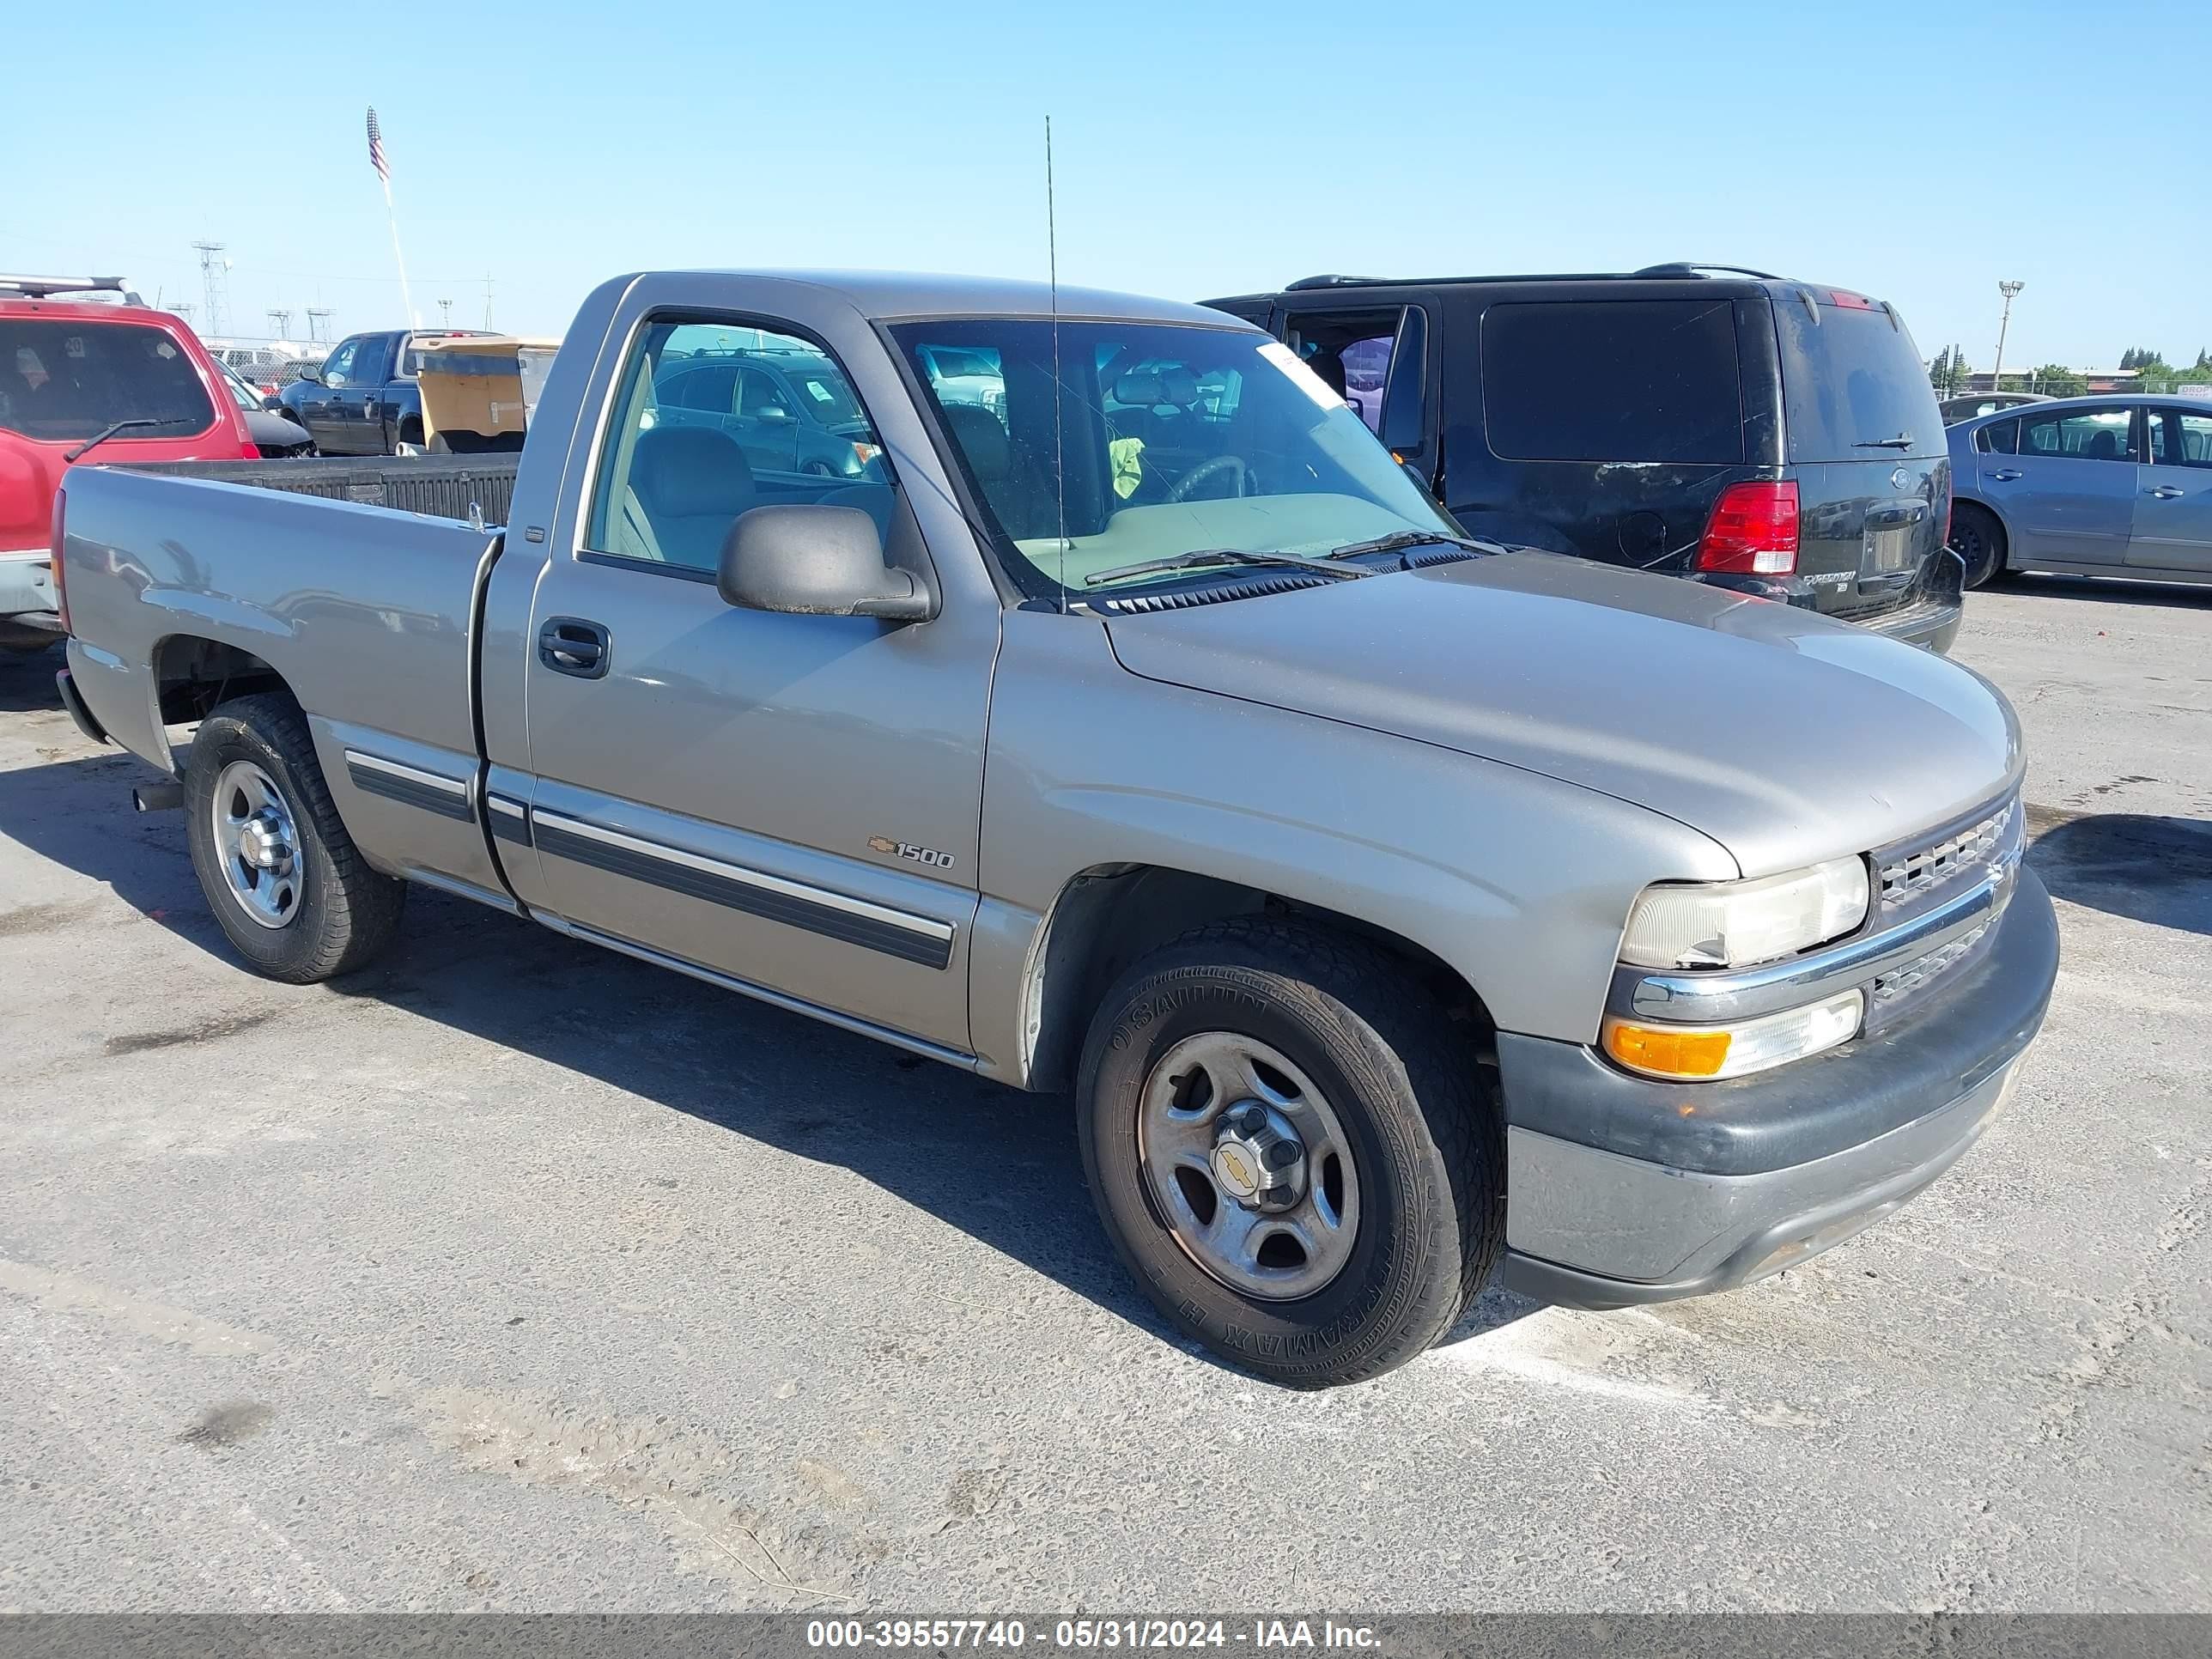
<point x="2178" y="438"/>
<point x="2092" y="434"/>
<point x="1352" y="352"/>
<point x="683" y="455"/>
<point x="1998" y="438"/>
<point x="338" y="367"/>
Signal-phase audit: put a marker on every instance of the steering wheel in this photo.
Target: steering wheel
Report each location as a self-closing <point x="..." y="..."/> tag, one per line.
<point x="1205" y="470"/>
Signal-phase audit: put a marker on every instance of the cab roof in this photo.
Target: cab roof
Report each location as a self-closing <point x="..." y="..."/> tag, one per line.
<point x="887" y="296"/>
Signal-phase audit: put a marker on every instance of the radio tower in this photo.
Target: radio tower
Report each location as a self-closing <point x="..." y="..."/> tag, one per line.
<point x="214" y="283"/>
<point x="317" y="316"/>
<point x="280" y="321"/>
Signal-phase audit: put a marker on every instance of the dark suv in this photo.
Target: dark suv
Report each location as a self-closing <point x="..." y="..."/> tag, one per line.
<point x="1776" y="437"/>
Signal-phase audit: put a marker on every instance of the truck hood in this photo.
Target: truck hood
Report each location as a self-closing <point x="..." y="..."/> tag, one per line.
<point x="1785" y="736"/>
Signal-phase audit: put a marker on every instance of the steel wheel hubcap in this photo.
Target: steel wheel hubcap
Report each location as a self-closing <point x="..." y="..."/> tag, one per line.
<point x="255" y="839"/>
<point x="1249" y="1166"/>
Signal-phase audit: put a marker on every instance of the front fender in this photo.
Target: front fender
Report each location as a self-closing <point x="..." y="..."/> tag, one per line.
<point x="1520" y="883"/>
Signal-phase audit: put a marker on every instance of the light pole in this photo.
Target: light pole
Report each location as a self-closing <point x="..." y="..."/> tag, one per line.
<point x="1997" y="381"/>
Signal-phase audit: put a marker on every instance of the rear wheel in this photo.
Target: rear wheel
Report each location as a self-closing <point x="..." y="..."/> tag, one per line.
<point x="292" y="891"/>
<point x="1979" y="539"/>
<point x="1291" y="1151"/>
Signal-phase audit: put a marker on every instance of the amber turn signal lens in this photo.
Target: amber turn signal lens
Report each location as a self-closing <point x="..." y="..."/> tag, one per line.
<point x="1668" y="1053"/>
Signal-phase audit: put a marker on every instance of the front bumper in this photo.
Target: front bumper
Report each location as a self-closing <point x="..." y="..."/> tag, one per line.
<point x="1622" y="1190"/>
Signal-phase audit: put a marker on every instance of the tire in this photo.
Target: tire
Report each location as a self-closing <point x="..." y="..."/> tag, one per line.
<point x="1979" y="539"/>
<point x="1424" y="1198"/>
<point x="340" y="913"/>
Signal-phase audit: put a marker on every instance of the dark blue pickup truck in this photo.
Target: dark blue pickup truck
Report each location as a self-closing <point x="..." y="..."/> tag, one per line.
<point x="364" y="399"/>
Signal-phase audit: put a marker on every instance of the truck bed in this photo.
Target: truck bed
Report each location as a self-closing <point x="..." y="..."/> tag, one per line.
<point x="441" y="486"/>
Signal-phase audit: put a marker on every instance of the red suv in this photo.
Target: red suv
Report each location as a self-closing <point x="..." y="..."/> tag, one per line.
<point x="74" y="372"/>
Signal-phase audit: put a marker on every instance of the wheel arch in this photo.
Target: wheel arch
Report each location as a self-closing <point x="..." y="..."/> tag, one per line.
<point x="1964" y="498"/>
<point x="1106" y="917"/>
<point x="192" y="673"/>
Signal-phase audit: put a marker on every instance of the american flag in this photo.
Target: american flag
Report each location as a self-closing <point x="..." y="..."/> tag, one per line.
<point x="376" y="148"/>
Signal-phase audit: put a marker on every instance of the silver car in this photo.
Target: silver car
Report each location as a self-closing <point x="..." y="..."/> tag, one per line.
<point x="2099" y="486"/>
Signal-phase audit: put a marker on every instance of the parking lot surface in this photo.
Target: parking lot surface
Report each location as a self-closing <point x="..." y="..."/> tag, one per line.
<point x="516" y="1274"/>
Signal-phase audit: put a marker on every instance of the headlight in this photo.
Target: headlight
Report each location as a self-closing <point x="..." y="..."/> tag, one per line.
<point x="1708" y="1052"/>
<point x="1727" y="924"/>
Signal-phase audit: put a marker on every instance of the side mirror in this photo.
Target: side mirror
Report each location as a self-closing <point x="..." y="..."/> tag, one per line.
<point x="816" y="562"/>
<point x="272" y="403"/>
<point x="774" y="414"/>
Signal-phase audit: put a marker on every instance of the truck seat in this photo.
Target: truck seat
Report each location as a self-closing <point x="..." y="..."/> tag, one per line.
<point x="1011" y="488"/>
<point x="691" y="484"/>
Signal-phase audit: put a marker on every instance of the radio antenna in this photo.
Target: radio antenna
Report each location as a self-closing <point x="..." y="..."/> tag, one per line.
<point x="1058" y="397"/>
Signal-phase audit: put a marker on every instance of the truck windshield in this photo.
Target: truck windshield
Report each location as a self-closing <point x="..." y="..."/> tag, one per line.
<point x="1170" y="438"/>
<point x="64" y="380"/>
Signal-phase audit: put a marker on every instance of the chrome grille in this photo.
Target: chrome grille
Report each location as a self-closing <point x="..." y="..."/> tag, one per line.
<point x="1894" y="990"/>
<point x="1913" y="873"/>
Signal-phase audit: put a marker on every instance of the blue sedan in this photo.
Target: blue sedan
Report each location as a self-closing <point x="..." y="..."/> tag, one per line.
<point x="2098" y="486"/>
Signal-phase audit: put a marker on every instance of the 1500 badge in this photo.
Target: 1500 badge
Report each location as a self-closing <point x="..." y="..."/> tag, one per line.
<point x="906" y="849"/>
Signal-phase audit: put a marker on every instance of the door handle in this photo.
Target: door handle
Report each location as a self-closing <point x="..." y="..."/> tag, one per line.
<point x="569" y="645"/>
<point x="2168" y="492"/>
<point x="2005" y="474"/>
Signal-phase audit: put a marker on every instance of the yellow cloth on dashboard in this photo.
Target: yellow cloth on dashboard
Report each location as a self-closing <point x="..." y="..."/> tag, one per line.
<point x="1127" y="456"/>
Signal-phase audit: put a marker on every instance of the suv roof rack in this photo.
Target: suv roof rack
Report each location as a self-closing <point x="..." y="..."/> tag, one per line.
<point x="46" y="287"/>
<point x="1691" y="267"/>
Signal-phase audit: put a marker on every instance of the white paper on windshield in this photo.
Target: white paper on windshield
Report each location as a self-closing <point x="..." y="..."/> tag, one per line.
<point x="1300" y="376"/>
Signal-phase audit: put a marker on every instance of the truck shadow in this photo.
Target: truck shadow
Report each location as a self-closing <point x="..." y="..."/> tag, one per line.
<point x="1000" y="1164"/>
<point x="2145" y="868"/>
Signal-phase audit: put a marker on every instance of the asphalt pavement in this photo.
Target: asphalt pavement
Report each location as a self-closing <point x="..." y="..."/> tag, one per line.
<point x="516" y="1274"/>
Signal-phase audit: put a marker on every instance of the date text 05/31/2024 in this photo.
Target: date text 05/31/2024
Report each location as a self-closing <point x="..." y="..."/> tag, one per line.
<point x="1086" y="1634"/>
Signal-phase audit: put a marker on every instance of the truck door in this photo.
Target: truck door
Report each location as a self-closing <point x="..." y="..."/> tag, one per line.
<point x="324" y="403"/>
<point x="2173" y="493"/>
<point x="2069" y="491"/>
<point x="788" y="801"/>
<point x="366" y="408"/>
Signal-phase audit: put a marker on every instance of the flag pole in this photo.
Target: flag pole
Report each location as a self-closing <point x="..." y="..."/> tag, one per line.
<point x="406" y="298"/>
<point x="383" y="166"/>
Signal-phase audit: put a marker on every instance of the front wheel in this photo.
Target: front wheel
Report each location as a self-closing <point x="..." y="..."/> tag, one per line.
<point x="1979" y="541"/>
<point x="1291" y="1151"/>
<point x="292" y="891"/>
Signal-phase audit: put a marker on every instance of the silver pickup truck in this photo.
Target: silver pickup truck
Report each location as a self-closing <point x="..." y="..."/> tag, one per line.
<point x="1071" y="689"/>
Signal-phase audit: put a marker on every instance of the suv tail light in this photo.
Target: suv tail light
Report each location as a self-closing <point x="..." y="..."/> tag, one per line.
<point x="61" y="595"/>
<point x="1752" y="531"/>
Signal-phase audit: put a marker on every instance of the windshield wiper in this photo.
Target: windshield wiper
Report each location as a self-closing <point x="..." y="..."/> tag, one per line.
<point x="1399" y="541"/>
<point x="102" y="436"/>
<point x="1213" y="556"/>
<point x="1900" y="441"/>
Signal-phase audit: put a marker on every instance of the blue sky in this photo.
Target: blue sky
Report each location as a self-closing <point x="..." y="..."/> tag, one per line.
<point x="1201" y="150"/>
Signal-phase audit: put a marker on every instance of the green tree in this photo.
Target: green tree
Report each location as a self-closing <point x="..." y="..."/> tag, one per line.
<point x="2056" y="380"/>
<point x="1939" y="372"/>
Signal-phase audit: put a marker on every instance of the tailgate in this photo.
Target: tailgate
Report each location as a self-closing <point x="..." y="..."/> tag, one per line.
<point x="1864" y="440"/>
<point x="1869" y="531"/>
